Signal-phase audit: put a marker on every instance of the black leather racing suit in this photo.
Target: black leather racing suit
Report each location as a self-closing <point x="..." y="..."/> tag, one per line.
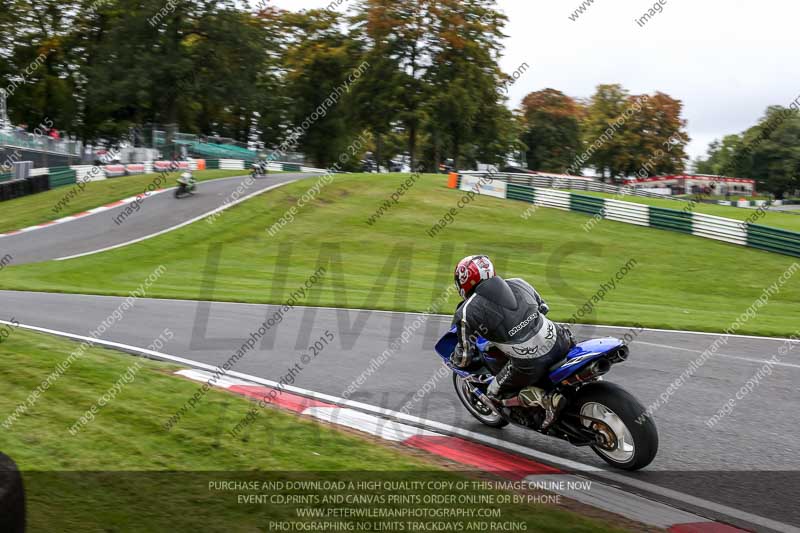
<point x="511" y="314"/>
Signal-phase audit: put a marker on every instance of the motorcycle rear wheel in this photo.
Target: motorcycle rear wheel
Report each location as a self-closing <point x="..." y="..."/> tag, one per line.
<point x="475" y="407"/>
<point x="630" y="433"/>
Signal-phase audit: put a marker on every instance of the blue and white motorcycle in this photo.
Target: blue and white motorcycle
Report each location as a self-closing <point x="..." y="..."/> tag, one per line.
<point x="598" y="414"/>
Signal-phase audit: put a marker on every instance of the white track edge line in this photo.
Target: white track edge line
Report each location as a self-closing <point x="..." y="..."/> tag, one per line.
<point x="182" y="224"/>
<point x="478" y="437"/>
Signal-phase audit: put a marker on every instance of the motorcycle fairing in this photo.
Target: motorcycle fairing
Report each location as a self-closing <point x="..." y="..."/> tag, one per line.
<point x="578" y="358"/>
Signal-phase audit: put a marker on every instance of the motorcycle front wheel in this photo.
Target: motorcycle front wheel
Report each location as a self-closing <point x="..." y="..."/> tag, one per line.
<point x="474" y="405"/>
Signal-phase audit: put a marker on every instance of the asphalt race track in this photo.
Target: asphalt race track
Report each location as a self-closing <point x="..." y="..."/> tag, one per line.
<point x="157" y="213"/>
<point x="758" y="474"/>
<point x="747" y="461"/>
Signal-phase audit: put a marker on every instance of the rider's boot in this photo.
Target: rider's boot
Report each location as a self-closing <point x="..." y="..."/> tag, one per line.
<point x="552" y="402"/>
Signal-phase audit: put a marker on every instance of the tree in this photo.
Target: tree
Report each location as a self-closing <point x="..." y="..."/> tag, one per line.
<point x="551" y="130"/>
<point x="466" y="115"/>
<point x="403" y="26"/>
<point x="377" y="98"/>
<point x="605" y="150"/>
<point x="721" y="157"/>
<point x="321" y="68"/>
<point x="37" y="55"/>
<point x="628" y="135"/>
<point x="771" y="151"/>
<point x="768" y="152"/>
<point x="656" y="136"/>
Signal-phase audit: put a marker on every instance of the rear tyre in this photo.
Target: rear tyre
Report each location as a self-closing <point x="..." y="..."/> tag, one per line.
<point x="475" y="407"/>
<point x="629" y="433"/>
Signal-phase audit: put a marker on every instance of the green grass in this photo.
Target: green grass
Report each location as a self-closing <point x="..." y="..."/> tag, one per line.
<point x="38" y="208"/>
<point x="776" y="219"/>
<point x="111" y="475"/>
<point x="679" y="281"/>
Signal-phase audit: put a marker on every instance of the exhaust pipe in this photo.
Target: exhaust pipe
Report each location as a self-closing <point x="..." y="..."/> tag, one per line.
<point x="620" y="355"/>
<point x="596" y="369"/>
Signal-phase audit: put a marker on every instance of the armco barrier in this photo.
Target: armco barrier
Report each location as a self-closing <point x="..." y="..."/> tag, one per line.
<point x="719" y="228"/>
<point x="620" y="211"/>
<point x="773" y="239"/>
<point x="671" y="219"/>
<point x="591" y="205"/>
<point x="135" y="169"/>
<point x="89" y="172"/>
<point x="699" y="224"/>
<point x="518" y="192"/>
<point x="60" y="176"/>
<point x="231" y="164"/>
<point x="114" y="171"/>
<point x="562" y="182"/>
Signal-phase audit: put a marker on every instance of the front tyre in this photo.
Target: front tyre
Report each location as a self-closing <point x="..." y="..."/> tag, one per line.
<point x="628" y="434"/>
<point x="474" y="405"/>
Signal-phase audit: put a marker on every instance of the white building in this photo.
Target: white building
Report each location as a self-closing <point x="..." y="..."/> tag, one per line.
<point x="696" y="184"/>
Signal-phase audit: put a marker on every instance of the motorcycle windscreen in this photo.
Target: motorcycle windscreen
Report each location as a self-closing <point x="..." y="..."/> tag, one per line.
<point x="583" y="354"/>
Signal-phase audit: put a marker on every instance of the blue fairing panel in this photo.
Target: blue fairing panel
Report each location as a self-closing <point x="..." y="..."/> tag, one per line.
<point x="583" y="354"/>
<point x="447" y="344"/>
<point x="577" y="359"/>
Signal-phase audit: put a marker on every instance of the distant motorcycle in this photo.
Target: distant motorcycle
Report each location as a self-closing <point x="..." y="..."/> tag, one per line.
<point x="600" y="415"/>
<point x="186" y="185"/>
<point x="259" y="170"/>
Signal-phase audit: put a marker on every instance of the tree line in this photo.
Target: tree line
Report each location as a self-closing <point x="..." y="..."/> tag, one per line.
<point x="768" y="152"/>
<point x="616" y="133"/>
<point x="433" y="88"/>
<point x="422" y="76"/>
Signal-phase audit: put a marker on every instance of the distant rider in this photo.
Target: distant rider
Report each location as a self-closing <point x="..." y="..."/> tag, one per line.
<point x="511" y="315"/>
<point x="260" y="168"/>
<point x="186" y="179"/>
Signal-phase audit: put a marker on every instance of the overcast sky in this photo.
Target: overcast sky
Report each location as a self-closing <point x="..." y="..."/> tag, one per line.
<point x="726" y="60"/>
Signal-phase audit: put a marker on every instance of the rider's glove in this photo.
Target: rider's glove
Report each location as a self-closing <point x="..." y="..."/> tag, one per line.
<point x="461" y="357"/>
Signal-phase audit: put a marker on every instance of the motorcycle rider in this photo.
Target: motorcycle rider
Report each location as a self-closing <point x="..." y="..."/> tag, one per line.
<point x="186" y="179"/>
<point x="511" y="315"/>
<point x="260" y="168"/>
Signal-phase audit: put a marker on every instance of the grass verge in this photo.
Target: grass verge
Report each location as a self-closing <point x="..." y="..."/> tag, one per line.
<point x="122" y="471"/>
<point x="673" y="281"/>
<point x="39" y="208"/>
